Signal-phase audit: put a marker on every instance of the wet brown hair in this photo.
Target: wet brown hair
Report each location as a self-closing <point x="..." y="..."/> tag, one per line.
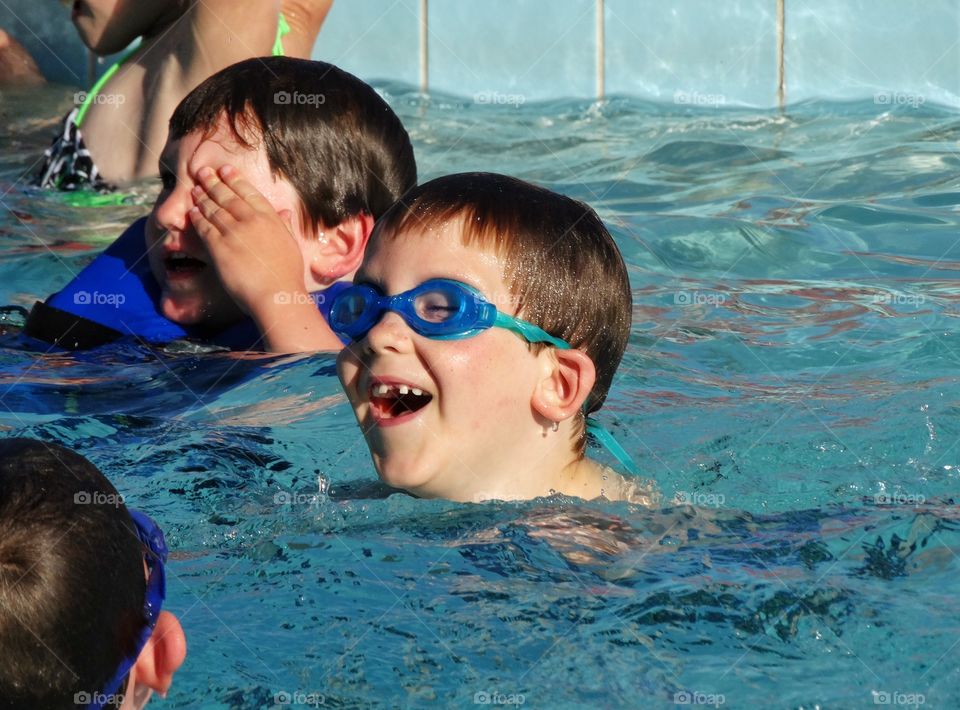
<point x="71" y="577"/>
<point x="560" y="262"/>
<point x="330" y="134"/>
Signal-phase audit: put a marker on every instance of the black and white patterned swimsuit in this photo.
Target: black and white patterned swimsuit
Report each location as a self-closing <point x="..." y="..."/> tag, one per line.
<point x="67" y="163"/>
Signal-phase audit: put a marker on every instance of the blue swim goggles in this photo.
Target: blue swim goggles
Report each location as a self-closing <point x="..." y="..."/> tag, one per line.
<point x="155" y="554"/>
<point x="442" y="309"/>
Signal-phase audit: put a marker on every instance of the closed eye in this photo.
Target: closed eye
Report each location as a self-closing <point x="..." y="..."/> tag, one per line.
<point x="439" y="312"/>
<point x="168" y="180"/>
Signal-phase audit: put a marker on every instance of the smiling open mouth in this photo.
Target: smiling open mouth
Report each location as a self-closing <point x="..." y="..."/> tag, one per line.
<point x="180" y="263"/>
<point x="391" y="401"/>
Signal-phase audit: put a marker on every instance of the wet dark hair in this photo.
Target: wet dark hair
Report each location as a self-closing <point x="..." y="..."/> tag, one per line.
<point x="326" y="131"/>
<point x="71" y="577"/>
<point x="560" y="262"/>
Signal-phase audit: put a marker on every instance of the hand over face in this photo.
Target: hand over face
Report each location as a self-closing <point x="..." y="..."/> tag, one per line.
<point x="253" y="247"/>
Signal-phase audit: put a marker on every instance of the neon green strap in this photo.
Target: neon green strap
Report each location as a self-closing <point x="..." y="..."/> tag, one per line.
<point x="283" y="29"/>
<point x="95" y="89"/>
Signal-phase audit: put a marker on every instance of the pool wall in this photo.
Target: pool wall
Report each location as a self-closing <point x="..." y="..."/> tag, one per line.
<point x="696" y="52"/>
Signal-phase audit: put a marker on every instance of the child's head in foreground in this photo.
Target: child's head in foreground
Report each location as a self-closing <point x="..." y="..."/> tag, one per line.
<point x="316" y="141"/>
<point x="467" y="414"/>
<point x="81" y="584"/>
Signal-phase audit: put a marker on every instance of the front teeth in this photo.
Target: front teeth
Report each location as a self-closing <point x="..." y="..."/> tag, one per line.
<point x="381" y="390"/>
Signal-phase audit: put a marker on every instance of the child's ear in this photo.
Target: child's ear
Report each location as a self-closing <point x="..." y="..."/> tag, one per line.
<point x="162" y="656"/>
<point x="568" y="377"/>
<point x="339" y="249"/>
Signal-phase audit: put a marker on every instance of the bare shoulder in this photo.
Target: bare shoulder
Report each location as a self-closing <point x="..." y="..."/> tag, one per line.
<point x="223" y="32"/>
<point x="630" y="489"/>
<point x="305" y="18"/>
<point x="598" y="481"/>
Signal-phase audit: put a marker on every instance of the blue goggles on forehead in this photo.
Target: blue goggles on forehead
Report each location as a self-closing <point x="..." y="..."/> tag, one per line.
<point x="155" y="555"/>
<point x="441" y="309"/>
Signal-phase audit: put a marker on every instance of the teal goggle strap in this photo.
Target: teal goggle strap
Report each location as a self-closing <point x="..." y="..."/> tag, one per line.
<point x="605" y="438"/>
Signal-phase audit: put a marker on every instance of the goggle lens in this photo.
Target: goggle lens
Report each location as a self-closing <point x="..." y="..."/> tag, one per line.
<point x="439" y="304"/>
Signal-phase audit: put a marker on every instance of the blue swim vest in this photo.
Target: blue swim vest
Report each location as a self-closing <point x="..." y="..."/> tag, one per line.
<point x="116" y="297"/>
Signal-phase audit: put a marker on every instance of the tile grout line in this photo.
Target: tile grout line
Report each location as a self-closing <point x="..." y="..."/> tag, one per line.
<point x="781" y="67"/>
<point x="424" y="46"/>
<point x="601" y="51"/>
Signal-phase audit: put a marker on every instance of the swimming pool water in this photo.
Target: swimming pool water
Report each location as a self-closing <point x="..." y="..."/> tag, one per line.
<point x="791" y="372"/>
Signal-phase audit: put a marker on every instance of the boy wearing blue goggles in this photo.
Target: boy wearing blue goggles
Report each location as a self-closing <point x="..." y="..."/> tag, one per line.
<point x="70" y="550"/>
<point x="459" y="396"/>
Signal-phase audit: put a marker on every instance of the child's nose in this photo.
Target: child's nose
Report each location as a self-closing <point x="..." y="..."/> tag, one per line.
<point x="171" y="210"/>
<point x="390" y="333"/>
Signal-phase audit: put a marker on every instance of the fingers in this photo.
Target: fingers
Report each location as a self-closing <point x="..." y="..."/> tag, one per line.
<point x="228" y="192"/>
<point x="247" y="193"/>
<point x="224" y="200"/>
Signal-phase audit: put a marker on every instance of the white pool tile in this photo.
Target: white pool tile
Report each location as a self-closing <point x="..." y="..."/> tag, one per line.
<point x="373" y="39"/>
<point x="521" y="48"/>
<point x="701" y="52"/>
<point x="891" y="50"/>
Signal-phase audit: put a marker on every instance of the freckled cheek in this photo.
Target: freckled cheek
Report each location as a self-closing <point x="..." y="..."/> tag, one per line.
<point x="477" y="382"/>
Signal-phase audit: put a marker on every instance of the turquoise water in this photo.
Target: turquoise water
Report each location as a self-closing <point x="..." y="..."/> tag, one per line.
<point x="791" y="372"/>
